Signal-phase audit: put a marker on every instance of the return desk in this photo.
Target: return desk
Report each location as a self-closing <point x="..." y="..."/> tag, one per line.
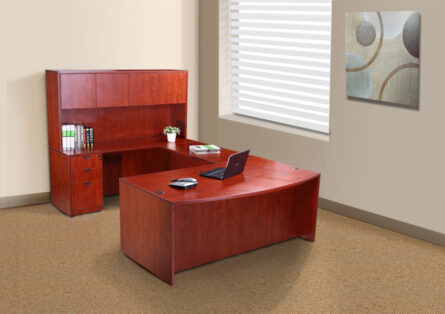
<point x="167" y="230"/>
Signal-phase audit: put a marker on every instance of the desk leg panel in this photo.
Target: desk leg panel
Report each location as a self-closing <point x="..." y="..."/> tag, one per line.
<point x="146" y="231"/>
<point x="308" y="195"/>
<point x="208" y="231"/>
<point x="60" y="181"/>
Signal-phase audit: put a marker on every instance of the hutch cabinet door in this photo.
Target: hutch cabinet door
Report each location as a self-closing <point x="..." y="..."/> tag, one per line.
<point x="78" y="90"/>
<point x="112" y="90"/>
<point x="143" y="89"/>
<point x="173" y="88"/>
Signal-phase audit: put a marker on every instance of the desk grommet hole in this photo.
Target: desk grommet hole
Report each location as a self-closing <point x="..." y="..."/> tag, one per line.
<point x="160" y="192"/>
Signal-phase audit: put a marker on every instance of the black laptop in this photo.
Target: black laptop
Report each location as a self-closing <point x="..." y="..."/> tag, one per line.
<point x="235" y="165"/>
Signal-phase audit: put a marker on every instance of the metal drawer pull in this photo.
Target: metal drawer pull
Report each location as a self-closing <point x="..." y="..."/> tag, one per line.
<point x="87" y="170"/>
<point x="87" y="157"/>
<point x="87" y="183"/>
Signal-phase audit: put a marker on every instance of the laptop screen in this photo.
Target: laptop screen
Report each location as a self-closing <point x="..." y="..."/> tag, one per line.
<point x="236" y="163"/>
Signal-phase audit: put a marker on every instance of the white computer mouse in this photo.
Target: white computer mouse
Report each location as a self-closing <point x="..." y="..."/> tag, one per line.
<point x="185" y="180"/>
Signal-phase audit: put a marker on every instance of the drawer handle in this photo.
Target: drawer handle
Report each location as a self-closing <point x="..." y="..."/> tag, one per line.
<point x="87" y="183"/>
<point x="87" y="157"/>
<point x="87" y="170"/>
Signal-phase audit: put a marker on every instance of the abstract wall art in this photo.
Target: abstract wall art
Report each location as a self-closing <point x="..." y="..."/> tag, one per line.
<point x="382" y="57"/>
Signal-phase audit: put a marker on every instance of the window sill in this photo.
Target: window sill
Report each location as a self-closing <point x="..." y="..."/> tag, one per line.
<point x="275" y="126"/>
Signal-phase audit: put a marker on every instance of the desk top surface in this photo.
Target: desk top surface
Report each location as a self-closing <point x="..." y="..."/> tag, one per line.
<point x="260" y="175"/>
<point x="181" y="146"/>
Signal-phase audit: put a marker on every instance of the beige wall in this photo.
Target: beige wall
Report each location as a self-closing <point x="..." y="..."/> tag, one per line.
<point x="384" y="160"/>
<point x="76" y="34"/>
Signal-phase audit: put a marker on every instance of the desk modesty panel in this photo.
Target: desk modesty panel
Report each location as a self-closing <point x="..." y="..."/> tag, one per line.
<point x="166" y="230"/>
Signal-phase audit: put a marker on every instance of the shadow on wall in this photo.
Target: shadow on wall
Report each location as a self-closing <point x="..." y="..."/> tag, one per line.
<point x="186" y="28"/>
<point x="26" y="100"/>
<point x="384" y="103"/>
<point x="254" y="281"/>
<point x="190" y="61"/>
<point x="27" y="127"/>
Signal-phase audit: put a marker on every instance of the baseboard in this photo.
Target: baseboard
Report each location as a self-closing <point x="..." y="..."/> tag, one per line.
<point x="384" y="222"/>
<point x="23" y="200"/>
<point x="348" y="211"/>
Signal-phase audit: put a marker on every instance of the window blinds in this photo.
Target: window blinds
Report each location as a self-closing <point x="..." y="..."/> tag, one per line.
<point x="280" y="61"/>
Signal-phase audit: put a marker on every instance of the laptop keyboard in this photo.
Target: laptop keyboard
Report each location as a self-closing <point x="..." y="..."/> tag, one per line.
<point x="215" y="172"/>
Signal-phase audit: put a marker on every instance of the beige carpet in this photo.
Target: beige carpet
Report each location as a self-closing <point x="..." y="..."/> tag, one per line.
<point x="51" y="263"/>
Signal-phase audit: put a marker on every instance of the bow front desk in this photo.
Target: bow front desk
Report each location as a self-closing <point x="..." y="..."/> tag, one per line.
<point x="163" y="229"/>
<point x="167" y="230"/>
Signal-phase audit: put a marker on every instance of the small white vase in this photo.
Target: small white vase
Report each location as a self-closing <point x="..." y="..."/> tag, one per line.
<point x="171" y="137"/>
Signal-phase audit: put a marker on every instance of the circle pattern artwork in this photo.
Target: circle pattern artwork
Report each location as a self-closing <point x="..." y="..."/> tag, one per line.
<point x="358" y="84"/>
<point x="370" y="58"/>
<point x="366" y="33"/>
<point x="411" y="34"/>
<point x="404" y="77"/>
<point x="392" y="20"/>
<point x="382" y="56"/>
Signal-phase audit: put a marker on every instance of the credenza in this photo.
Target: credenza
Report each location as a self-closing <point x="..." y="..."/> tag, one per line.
<point x="128" y="110"/>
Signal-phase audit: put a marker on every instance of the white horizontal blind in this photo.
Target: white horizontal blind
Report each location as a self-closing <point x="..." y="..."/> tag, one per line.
<point x="280" y="60"/>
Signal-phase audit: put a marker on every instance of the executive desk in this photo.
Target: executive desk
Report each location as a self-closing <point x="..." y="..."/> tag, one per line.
<point x="167" y="230"/>
<point x="163" y="229"/>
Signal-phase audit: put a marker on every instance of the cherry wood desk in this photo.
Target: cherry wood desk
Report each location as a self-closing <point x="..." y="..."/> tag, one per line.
<point x="163" y="229"/>
<point x="167" y="230"/>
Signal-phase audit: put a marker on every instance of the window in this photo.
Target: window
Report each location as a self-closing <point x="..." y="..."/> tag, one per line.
<point x="280" y="61"/>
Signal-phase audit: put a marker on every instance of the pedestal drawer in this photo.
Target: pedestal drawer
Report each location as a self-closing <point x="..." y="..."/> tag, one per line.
<point x="86" y="161"/>
<point x="87" y="196"/>
<point x="86" y="175"/>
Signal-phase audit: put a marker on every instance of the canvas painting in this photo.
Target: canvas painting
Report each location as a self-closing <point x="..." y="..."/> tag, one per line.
<point x="383" y="57"/>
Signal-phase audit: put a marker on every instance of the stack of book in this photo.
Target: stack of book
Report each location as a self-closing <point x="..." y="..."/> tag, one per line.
<point x="76" y="136"/>
<point x="204" y="149"/>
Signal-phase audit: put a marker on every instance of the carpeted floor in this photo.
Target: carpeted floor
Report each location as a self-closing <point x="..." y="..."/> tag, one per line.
<point x="51" y="263"/>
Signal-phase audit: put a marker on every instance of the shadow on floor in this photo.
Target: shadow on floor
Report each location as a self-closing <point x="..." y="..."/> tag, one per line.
<point x="111" y="203"/>
<point x="259" y="279"/>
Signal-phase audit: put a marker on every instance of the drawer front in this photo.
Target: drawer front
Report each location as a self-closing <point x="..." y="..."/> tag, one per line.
<point x="87" y="195"/>
<point x="86" y="175"/>
<point x="86" y="161"/>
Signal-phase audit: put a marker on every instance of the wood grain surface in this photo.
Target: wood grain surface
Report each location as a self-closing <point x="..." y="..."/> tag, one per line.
<point x="53" y="110"/>
<point x="268" y="203"/>
<point x="259" y="175"/>
<point x="78" y="91"/>
<point x="151" y="228"/>
<point x="112" y="90"/>
<point x="59" y="165"/>
<point x="143" y="88"/>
